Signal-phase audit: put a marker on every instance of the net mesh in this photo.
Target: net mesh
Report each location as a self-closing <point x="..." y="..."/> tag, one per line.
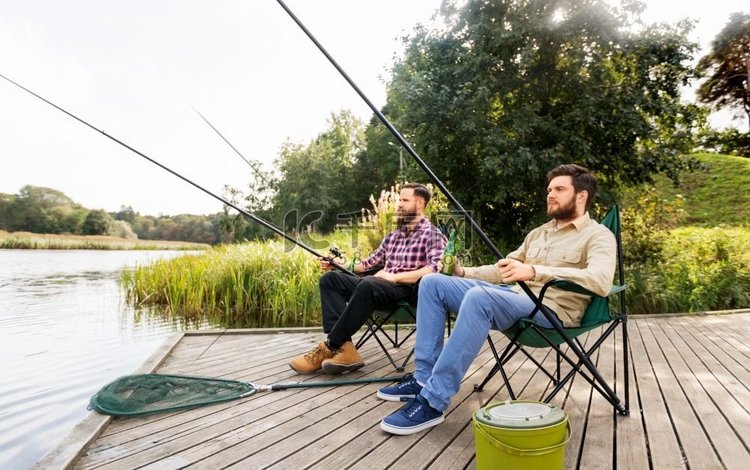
<point x="137" y="395"/>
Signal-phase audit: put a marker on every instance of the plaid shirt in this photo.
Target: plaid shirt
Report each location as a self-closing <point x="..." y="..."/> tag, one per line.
<point x="408" y="250"/>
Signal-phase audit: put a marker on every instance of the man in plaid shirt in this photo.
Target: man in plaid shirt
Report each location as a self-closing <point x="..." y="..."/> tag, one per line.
<point x="406" y="254"/>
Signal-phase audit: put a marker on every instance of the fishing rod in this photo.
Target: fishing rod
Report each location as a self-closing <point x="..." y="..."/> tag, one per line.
<point x="396" y="134"/>
<point x="249" y="163"/>
<point x="215" y="196"/>
<point x="548" y="314"/>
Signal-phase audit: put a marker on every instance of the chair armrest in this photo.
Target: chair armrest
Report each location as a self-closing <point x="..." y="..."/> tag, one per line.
<point x="573" y="287"/>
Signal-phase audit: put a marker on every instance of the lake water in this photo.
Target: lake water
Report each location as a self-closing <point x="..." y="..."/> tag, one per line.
<point x="65" y="331"/>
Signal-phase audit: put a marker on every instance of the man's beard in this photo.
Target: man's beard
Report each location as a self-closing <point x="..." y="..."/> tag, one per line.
<point x="406" y="217"/>
<point x="563" y="212"/>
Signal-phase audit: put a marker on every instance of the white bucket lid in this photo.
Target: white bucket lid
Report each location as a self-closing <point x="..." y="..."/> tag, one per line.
<point x="520" y="414"/>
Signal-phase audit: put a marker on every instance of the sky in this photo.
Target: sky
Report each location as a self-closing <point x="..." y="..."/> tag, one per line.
<point x="139" y="69"/>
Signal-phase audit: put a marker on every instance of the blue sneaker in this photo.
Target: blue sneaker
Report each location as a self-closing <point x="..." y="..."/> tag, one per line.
<point x="406" y="390"/>
<point x="412" y="418"/>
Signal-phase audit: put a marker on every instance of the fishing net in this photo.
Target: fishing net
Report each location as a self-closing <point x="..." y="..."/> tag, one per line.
<point x="137" y="395"/>
<point x="144" y="394"/>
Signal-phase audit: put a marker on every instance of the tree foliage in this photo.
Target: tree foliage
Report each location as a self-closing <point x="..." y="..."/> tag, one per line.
<point x="97" y="222"/>
<point x="316" y="182"/>
<point x="41" y="210"/>
<point x="727" y="67"/>
<point x="44" y="210"/>
<point x="509" y="89"/>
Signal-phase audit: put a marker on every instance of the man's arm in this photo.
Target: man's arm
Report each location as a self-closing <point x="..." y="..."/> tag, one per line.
<point x="406" y="277"/>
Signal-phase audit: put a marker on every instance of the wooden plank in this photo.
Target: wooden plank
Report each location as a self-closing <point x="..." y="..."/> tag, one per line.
<point x="711" y="402"/>
<point x="631" y="444"/>
<point x="598" y="450"/>
<point x="367" y="423"/>
<point x="663" y="446"/>
<point x="287" y="420"/>
<point x="70" y="449"/>
<point x="693" y="441"/>
<point x="690" y="405"/>
<point x="576" y="403"/>
<point x="241" y="373"/>
<point x="427" y="446"/>
<point x="733" y="377"/>
<point x="724" y="352"/>
<point x="154" y="434"/>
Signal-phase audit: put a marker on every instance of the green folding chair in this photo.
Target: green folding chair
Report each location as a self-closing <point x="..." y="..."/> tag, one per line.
<point x="527" y="333"/>
<point x="401" y="314"/>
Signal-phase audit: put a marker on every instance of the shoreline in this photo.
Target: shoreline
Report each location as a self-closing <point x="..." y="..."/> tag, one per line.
<point x="43" y="241"/>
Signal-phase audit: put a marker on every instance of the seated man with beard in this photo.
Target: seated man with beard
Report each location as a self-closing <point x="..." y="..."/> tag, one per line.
<point x="571" y="246"/>
<point x="406" y="254"/>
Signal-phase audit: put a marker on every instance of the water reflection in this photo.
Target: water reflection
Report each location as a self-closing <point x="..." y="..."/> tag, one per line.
<point x="65" y="331"/>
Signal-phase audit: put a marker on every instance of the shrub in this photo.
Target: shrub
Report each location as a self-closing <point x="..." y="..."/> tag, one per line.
<point x="729" y="141"/>
<point x="701" y="269"/>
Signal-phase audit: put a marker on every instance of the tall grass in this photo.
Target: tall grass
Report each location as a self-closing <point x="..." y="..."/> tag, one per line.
<point x="256" y="284"/>
<point x="37" y="241"/>
<point x="701" y="269"/>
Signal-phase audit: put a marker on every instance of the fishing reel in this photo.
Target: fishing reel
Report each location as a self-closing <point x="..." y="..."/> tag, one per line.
<point x="335" y="252"/>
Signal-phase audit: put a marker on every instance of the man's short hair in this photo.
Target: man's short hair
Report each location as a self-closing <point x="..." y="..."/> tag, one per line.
<point x="420" y="190"/>
<point x="583" y="179"/>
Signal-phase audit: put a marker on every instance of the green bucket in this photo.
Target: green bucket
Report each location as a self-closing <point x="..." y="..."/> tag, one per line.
<point x="520" y="434"/>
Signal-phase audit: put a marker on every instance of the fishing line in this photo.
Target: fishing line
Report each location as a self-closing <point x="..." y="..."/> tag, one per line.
<point x="215" y="196"/>
<point x="255" y="169"/>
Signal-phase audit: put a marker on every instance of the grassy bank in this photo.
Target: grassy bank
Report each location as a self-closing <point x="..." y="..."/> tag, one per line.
<point x="715" y="196"/>
<point x="256" y="284"/>
<point x="30" y="241"/>
<point x="704" y="264"/>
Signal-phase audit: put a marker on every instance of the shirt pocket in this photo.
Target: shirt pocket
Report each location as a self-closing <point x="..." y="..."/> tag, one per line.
<point x="563" y="258"/>
<point x="535" y="252"/>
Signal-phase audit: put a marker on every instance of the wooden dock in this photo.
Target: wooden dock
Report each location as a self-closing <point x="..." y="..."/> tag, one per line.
<point x="689" y="408"/>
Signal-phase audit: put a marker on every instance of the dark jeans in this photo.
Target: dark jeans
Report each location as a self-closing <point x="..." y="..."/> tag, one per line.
<point x="348" y="302"/>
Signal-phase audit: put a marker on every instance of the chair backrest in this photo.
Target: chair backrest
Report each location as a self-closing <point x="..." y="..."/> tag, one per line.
<point x="598" y="311"/>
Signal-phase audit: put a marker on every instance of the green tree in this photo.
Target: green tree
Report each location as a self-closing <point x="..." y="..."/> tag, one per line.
<point x="6" y="204"/>
<point x="44" y="210"/>
<point x="727" y="67"/>
<point x="506" y="90"/>
<point x="98" y="222"/>
<point x="316" y="182"/>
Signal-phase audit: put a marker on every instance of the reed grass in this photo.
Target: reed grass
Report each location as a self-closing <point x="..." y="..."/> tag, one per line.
<point x="37" y="241"/>
<point x="255" y="284"/>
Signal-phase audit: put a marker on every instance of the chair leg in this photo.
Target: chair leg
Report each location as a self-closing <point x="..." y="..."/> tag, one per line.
<point x="626" y="363"/>
<point x="387" y="354"/>
<point x="493" y="371"/>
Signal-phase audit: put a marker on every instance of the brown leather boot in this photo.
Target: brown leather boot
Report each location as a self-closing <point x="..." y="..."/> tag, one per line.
<point x="311" y="361"/>
<point x="345" y="359"/>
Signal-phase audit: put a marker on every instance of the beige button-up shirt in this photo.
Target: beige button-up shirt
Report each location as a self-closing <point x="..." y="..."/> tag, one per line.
<point x="583" y="252"/>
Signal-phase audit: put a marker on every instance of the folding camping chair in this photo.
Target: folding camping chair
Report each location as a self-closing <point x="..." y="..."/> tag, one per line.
<point x="528" y="333"/>
<point x="402" y="313"/>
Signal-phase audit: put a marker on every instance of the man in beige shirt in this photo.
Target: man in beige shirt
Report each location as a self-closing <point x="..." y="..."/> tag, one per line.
<point x="571" y="246"/>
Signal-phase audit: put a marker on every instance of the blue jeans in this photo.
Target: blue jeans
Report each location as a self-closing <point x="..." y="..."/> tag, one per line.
<point x="480" y="306"/>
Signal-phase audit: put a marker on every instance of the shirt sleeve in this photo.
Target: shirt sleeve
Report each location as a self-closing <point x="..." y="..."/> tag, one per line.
<point x="490" y="272"/>
<point x="377" y="258"/>
<point x="597" y="276"/>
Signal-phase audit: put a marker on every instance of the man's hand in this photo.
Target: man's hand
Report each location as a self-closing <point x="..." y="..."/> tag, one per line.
<point x="458" y="270"/>
<point x="386" y="276"/>
<point x="327" y="263"/>
<point x="512" y="270"/>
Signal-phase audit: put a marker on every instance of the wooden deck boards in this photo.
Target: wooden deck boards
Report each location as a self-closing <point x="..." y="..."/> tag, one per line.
<point x="689" y="403"/>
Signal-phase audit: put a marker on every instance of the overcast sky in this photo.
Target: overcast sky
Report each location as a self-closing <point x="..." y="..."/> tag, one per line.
<point x="137" y="68"/>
